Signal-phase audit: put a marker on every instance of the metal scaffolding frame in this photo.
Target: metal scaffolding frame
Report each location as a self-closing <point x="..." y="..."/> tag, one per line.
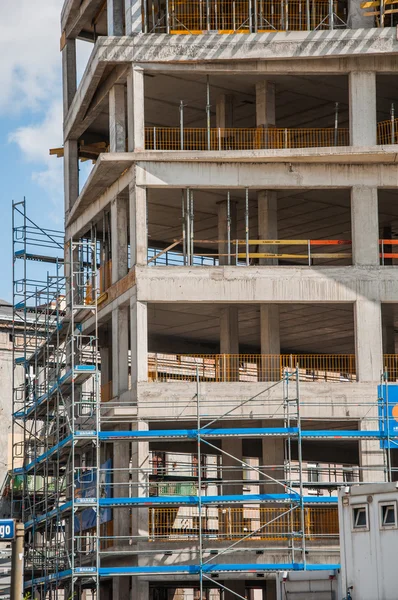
<point x="63" y="487"/>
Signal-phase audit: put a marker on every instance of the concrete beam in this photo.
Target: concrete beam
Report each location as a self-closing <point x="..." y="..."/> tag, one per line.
<point x="261" y="175"/>
<point x="78" y="13"/>
<point x="257" y="285"/>
<point x="260" y="47"/>
<point x="321" y="400"/>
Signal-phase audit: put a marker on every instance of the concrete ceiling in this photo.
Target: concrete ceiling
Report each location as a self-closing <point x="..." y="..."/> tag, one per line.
<point x="309" y="329"/>
<point x="301" y="101"/>
<point x="304" y="214"/>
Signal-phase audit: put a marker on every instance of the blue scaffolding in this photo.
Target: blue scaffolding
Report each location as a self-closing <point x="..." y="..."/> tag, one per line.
<point x="61" y="478"/>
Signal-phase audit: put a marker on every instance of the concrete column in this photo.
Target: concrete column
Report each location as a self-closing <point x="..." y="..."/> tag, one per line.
<point x="232" y="518"/>
<point x="356" y="16"/>
<point x="270" y="343"/>
<point x="138" y="226"/>
<point x="120" y="347"/>
<point x="267" y="223"/>
<point x="121" y="481"/>
<point x="233" y="468"/>
<point x="237" y="586"/>
<point x="69" y="80"/>
<point x="229" y="343"/>
<point x="365" y="226"/>
<point x="265" y="104"/>
<point x="224" y="111"/>
<point x="121" y="587"/>
<point x="133" y="16"/>
<point x="273" y="450"/>
<point x="371" y="457"/>
<point x="368" y="339"/>
<point x="139" y="589"/>
<point x="106" y="362"/>
<point x="71" y="174"/>
<point x="140" y="483"/>
<point x="119" y="237"/>
<point x="270" y="592"/>
<point x="115" y="14"/>
<point x="222" y="214"/>
<point x="139" y="343"/>
<point x="229" y="330"/>
<point x="117" y="118"/>
<point x="362" y="100"/>
<point x="388" y="315"/>
<point x="136" y="109"/>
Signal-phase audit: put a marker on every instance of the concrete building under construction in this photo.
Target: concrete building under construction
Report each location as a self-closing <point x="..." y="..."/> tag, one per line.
<point x="210" y="341"/>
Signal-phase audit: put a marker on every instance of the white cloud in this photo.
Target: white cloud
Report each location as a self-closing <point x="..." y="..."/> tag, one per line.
<point x="35" y="141"/>
<point x="30" y="72"/>
<point x="29" y="47"/>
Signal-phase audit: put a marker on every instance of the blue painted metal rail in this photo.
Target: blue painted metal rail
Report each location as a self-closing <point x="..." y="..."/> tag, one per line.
<point x="209" y="568"/>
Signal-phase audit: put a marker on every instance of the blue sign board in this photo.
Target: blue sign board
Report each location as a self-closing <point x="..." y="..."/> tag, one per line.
<point x="388" y="414"/>
<point x="7" y="529"/>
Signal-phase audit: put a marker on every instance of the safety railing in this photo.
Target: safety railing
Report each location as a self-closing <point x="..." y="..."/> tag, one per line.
<point x="382" y="12"/>
<point x="258" y="138"/>
<point x="387" y="131"/>
<point x="240" y="252"/>
<point x="235" y="523"/>
<point x="105" y="276"/>
<point x="265" y="252"/>
<point x="244" y="16"/>
<point x="250" y="367"/>
<point x="390" y="366"/>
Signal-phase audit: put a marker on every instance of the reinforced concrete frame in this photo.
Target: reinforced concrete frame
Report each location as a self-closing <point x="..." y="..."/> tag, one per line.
<point x="65" y="488"/>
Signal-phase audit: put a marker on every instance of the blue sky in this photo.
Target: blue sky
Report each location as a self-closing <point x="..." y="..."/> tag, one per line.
<point x="30" y="117"/>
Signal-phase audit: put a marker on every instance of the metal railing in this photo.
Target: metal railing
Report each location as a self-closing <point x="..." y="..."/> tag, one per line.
<point x="250" y="367"/>
<point x="387" y="131"/>
<point x="244" y="16"/>
<point x="266" y="252"/>
<point x="257" y="138"/>
<point x="235" y="523"/>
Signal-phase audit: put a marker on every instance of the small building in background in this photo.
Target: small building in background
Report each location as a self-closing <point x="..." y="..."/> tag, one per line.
<point x="369" y="541"/>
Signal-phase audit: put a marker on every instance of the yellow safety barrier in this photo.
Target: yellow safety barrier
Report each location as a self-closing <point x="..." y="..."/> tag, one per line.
<point x="234" y="523"/>
<point x="390" y="366"/>
<point x="258" y="138"/>
<point x="105" y="276"/>
<point x="244" y="16"/>
<point x="250" y="367"/>
<point x="387" y="132"/>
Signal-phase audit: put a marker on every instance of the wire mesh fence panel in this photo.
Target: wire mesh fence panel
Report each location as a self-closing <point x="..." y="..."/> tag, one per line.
<point x="229" y="523"/>
<point x="257" y="138"/>
<point x="250" y="367"/>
